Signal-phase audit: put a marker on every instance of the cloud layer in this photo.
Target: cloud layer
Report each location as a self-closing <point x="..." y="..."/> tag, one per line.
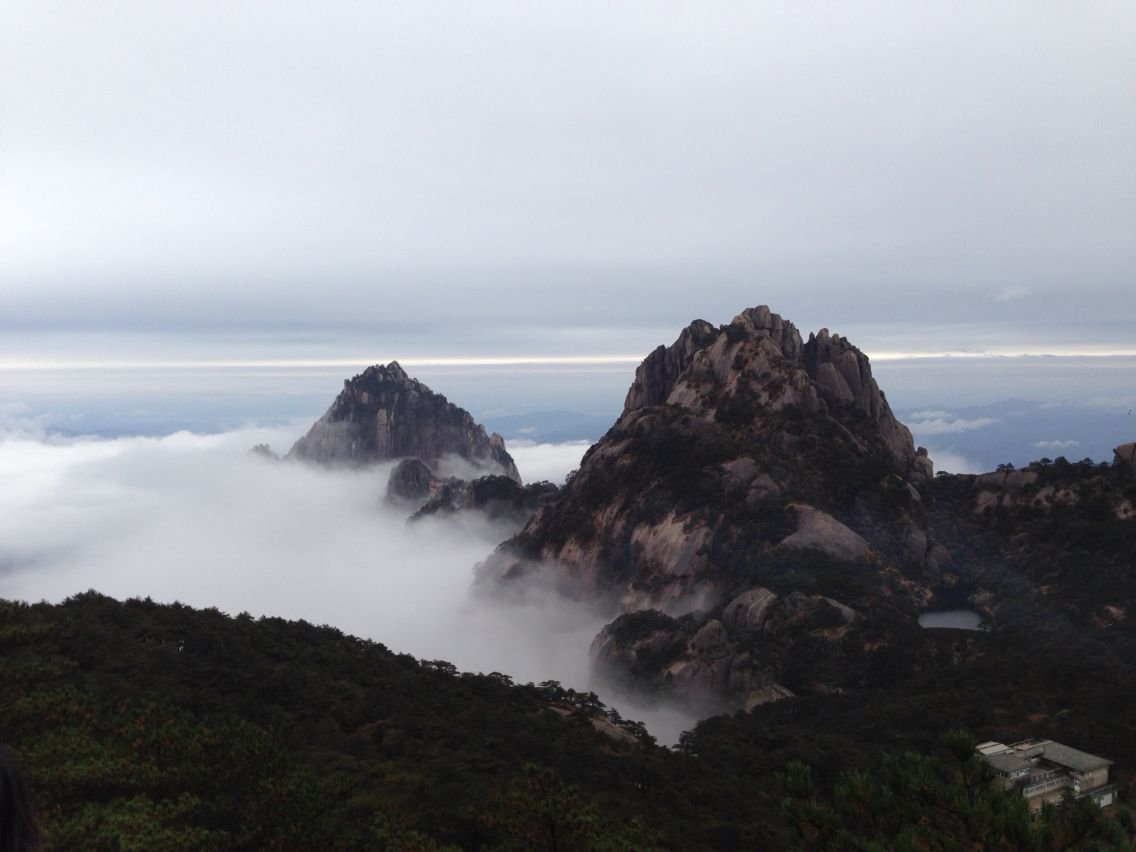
<point x="946" y="425"/>
<point x="195" y="518"/>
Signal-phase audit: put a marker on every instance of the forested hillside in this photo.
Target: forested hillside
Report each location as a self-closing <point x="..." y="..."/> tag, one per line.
<point x="157" y="727"/>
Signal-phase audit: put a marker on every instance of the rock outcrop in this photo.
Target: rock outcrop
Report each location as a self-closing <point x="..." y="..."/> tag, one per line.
<point x="746" y="461"/>
<point x="264" y="451"/>
<point x="498" y="498"/>
<point x="735" y="659"/>
<point x="384" y="414"/>
<point x="411" y="483"/>
<point x="819" y="531"/>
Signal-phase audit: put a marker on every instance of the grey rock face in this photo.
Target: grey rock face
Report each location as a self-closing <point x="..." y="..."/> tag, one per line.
<point x="761" y="356"/>
<point x="410" y="482"/>
<point x="747" y="612"/>
<point x="656" y="376"/>
<point x="817" y="530"/>
<point x="384" y="414"/>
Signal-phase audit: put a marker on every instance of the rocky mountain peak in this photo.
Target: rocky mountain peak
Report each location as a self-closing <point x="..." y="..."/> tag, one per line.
<point x="761" y="322"/>
<point x="746" y="459"/>
<point x="760" y="358"/>
<point x="383" y="414"/>
<point x="391" y="372"/>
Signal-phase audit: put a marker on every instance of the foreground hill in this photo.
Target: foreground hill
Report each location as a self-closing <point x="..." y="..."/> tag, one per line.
<point x="150" y="727"/>
<point x="155" y="727"/>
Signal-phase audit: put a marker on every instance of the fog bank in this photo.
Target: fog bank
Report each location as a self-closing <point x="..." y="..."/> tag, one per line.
<point x="197" y="519"/>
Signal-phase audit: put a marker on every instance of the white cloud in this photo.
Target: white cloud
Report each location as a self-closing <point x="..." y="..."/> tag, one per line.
<point x="943" y="426"/>
<point x="552" y="462"/>
<point x="1056" y="445"/>
<point x="1117" y="402"/>
<point x="930" y="414"/>
<point x="948" y="461"/>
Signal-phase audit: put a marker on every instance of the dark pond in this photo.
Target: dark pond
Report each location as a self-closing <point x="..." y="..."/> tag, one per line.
<point x="959" y="619"/>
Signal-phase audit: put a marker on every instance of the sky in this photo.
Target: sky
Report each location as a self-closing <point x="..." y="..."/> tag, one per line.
<point x="364" y="181"/>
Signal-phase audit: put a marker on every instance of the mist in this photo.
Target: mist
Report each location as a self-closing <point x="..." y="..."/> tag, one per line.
<point x="197" y="519"/>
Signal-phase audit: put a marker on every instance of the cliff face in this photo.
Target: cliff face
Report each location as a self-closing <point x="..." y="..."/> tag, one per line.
<point x="746" y="461"/>
<point x="384" y="414"/>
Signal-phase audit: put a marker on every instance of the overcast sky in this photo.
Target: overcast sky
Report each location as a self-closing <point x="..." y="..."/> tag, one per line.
<point x="305" y="179"/>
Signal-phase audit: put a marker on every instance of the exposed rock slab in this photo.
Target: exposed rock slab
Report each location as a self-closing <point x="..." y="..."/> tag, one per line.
<point x="747" y="612"/>
<point x="817" y="530"/>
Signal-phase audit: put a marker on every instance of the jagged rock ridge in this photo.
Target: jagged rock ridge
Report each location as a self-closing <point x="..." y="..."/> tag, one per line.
<point x="384" y="414"/>
<point x="761" y="356"/>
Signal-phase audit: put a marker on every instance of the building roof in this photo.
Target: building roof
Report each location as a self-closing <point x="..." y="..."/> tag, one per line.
<point x="1072" y="758"/>
<point x="1008" y="764"/>
<point x="991" y="747"/>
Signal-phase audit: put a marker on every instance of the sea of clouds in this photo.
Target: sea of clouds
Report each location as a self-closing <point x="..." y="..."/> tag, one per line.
<point x="196" y="518"/>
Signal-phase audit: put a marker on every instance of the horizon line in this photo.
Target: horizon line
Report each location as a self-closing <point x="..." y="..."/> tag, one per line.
<point x="500" y="361"/>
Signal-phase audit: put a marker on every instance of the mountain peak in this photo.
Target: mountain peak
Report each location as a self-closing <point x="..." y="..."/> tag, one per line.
<point x="747" y="465"/>
<point x="758" y="362"/>
<point x="393" y="371"/>
<point x="383" y="414"/>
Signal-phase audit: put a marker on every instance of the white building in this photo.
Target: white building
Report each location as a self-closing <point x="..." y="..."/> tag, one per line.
<point x="1045" y="771"/>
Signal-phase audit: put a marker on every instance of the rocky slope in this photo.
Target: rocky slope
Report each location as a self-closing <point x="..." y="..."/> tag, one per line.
<point x="1052" y="542"/>
<point x="498" y="498"/>
<point x="757" y="505"/>
<point x="384" y="414"/>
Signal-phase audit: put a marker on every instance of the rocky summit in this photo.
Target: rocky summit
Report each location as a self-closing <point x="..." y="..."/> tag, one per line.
<point x="755" y="513"/>
<point x="384" y="414"/>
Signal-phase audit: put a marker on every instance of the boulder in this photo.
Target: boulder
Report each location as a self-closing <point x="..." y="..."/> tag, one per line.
<point x="767" y="695"/>
<point x="817" y="530"/>
<point x="410" y="482"/>
<point x="710" y="640"/>
<point x="747" y="612"/>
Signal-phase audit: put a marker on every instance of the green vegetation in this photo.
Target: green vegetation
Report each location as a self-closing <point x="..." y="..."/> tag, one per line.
<point x="158" y="727"/>
<point x="1060" y="544"/>
<point x="946" y="800"/>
